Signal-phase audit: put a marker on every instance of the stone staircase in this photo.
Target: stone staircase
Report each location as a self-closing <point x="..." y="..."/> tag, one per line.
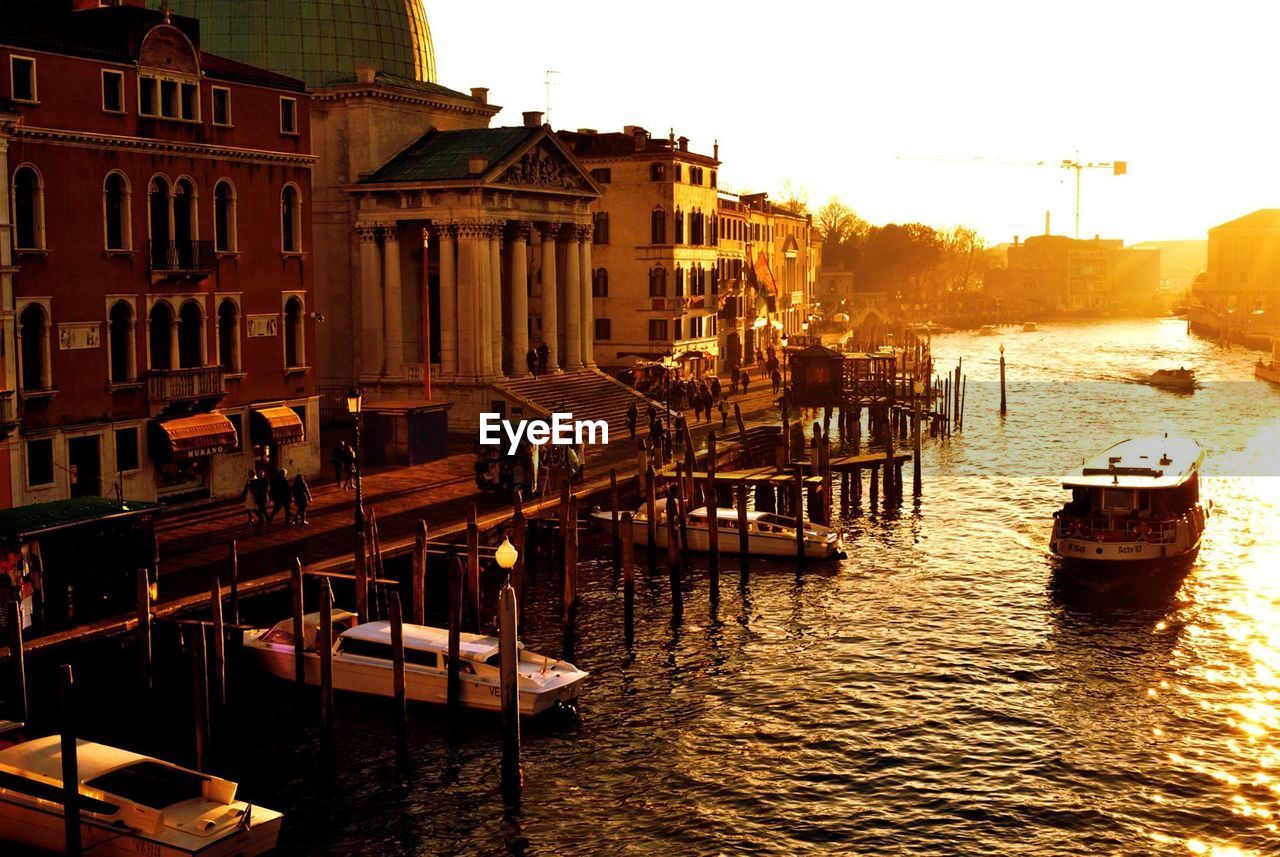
<point x="586" y="393"/>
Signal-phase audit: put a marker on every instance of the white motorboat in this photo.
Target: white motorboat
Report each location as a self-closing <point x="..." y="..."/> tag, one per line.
<point x="987" y="330"/>
<point x="1181" y="379"/>
<point x="362" y="663"/>
<point x="767" y="534"/>
<point x="1030" y="327"/>
<point x="1138" y="502"/>
<point x="129" y="804"/>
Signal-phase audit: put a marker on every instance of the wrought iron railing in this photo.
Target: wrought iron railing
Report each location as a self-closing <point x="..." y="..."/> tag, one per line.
<point x="182" y="384"/>
<point x="181" y="257"/>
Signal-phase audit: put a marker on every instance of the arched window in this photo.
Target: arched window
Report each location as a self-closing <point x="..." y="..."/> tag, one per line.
<point x="115" y="212"/>
<point x="224" y="217"/>
<point x="120" y="335"/>
<point x="33" y="327"/>
<point x="290" y="220"/>
<point x="229" y="335"/>
<point x="658" y="226"/>
<point x="159" y="230"/>
<point x="28" y="208"/>
<point x="600" y="220"/>
<point x="294" y="345"/>
<point x="190" y="336"/>
<point x="657" y="172"/>
<point x="186" y="226"/>
<point x="657" y="282"/>
<point x="161" y="337"/>
<point x="600" y="283"/>
<point x="679" y="282"/>
<point x="679" y="226"/>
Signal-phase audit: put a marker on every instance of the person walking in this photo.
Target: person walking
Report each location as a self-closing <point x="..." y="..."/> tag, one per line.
<point x="531" y="360"/>
<point x="281" y="494"/>
<point x="733" y="379"/>
<point x="349" y="468"/>
<point x="301" y="499"/>
<point x="724" y="413"/>
<point x="746" y="382"/>
<point x="246" y="496"/>
<point x="339" y="459"/>
<point x="776" y="377"/>
<point x="544" y="356"/>
<point x="258" y="487"/>
<point x="633" y="414"/>
<point x="716" y="389"/>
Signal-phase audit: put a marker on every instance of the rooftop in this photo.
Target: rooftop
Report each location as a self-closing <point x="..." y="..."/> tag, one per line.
<point x="1144" y="462"/>
<point x="446" y="155"/>
<point x="43" y="517"/>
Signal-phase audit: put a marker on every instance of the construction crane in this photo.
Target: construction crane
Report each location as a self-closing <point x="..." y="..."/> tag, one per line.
<point x="1118" y="168"/>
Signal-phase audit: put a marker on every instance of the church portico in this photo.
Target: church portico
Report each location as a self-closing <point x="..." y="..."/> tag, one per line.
<point x="451" y="279"/>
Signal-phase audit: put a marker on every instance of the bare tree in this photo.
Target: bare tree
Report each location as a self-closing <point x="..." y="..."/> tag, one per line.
<point x="794" y="198"/>
<point x="837" y="223"/>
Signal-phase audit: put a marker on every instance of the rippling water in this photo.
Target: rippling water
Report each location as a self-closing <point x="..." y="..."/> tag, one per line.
<point x="936" y="693"/>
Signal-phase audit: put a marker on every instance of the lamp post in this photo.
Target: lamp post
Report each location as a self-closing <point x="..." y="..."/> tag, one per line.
<point x="784" y="340"/>
<point x="355" y="404"/>
<point x="506" y="555"/>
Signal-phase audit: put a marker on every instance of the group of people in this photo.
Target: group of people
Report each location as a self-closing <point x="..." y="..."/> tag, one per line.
<point x="292" y="498"/>
<point x="537" y="358"/>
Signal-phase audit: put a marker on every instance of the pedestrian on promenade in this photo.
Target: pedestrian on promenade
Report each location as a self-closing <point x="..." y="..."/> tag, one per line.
<point x="746" y="381"/>
<point x="281" y="497"/>
<point x="246" y="496"/>
<point x="724" y="413"/>
<point x="349" y="468"/>
<point x="733" y="378"/>
<point x="633" y="414"/>
<point x="716" y="389"/>
<point x="776" y="377"/>
<point x="339" y="459"/>
<point x="531" y="360"/>
<point x="258" y="487"/>
<point x="544" y="356"/>
<point x="301" y="498"/>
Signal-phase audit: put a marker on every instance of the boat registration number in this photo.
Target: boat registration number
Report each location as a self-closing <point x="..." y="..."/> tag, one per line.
<point x="151" y="849"/>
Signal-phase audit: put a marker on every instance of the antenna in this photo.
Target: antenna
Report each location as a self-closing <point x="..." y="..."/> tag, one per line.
<point x="547" y="83"/>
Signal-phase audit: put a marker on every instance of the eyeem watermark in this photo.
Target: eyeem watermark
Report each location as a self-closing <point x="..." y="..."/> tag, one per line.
<point x="562" y="430"/>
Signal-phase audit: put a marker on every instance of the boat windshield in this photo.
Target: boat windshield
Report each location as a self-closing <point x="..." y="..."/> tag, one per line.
<point x="151" y="784"/>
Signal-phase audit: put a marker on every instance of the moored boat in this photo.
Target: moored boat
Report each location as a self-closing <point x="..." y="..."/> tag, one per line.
<point x="1030" y="327"/>
<point x="1269" y="371"/>
<point x="362" y="663"/>
<point x="129" y="804"/>
<point x="767" y="534"/>
<point x="1136" y="505"/>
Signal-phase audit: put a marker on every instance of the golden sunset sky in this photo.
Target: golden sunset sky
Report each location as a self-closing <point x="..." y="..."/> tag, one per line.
<point x="828" y="94"/>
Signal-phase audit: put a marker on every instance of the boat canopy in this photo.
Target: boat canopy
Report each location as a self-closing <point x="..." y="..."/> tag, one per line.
<point x="1153" y="462"/>
<point x="424" y="638"/>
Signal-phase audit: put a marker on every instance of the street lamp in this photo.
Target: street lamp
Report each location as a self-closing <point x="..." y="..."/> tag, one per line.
<point x="355" y="405"/>
<point x="784" y="340"/>
<point x="506" y="554"/>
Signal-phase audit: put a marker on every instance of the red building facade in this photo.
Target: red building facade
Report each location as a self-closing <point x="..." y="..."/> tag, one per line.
<point x="154" y="262"/>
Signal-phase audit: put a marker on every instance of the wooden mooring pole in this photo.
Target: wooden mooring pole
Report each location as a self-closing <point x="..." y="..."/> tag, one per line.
<point x="509" y="655"/>
<point x="1004" y="403"/>
<point x="651" y="522"/>
<point x="200" y="692"/>
<point x="70" y="764"/>
<point x="673" y="559"/>
<point x="219" y="645"/>
<point x="325" y="647"/>
<point x="362" y="578"/>
<point x="519" y="536"/>
<point x="744" y="552"/>
<point x="144" y="629"/>
<point x="235" y="582"/>
<point x="713" y="518"/>
<point x="915" y="447"/>
<point x="456" y="572"/>
<point x="613" y="521"/>
<point x="628" y="579"/>
<point x="473" y="565"/>
<point x="569" y="535"/>
<point x="418" y="589"/>
<point x="797" y="509"/>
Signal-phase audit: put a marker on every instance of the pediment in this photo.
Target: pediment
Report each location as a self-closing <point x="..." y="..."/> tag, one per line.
<point x="545" y="167"/>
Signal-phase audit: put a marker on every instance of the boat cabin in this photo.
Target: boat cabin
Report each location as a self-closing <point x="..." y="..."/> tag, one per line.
<point x="1154" y="478"/>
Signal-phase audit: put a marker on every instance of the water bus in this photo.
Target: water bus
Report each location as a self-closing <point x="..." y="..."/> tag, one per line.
<point x="129" y="804"/>
<point x="362" y="663"/>
<point x="1136" y="505"/>
<point x="767" y="534"/>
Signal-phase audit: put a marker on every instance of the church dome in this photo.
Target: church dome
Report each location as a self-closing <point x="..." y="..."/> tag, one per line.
<point x="318" y="41"/>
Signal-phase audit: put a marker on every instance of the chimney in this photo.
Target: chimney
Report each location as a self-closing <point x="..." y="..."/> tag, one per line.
<point x="533" y="119"/>
<point x="1015" y="241"/>
<point x="480" y="93"/>
<point x="476" y="164"/>
<point x="715" y="150"/>
<point x="684" y="144"/>
<point x="366" y="74"/>
<point x="671" y="136"/>
<point x="640" y="136"/>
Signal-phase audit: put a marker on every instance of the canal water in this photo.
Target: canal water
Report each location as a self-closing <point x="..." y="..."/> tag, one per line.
<point x="939" y="692"/>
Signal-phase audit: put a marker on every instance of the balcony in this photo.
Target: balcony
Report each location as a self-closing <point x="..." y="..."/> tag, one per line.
<point x="181" y="259"/>
<point x="185" y="385"/>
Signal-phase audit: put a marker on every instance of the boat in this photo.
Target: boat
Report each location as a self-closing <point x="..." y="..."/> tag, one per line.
<point x="987" y="330"/>
<point x="767" y="534"/>
<point x="1173" y="379"/>
<point x="1134" y="506"/>
<point x="362" y="663"/>
<point x="129" y="804"/>
<point x="1269" y="371"/>
<point x="1030" y="327"/>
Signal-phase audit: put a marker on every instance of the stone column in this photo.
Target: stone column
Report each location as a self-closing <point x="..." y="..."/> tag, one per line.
<point x="495" y="296"/>
<point x="484" y="300"/>
<point x="175" y="356"/>
<point x="472" y="263"/>
<point x="370" y="301"/>
<point x="519" y="299"/>
<point x="448" y="301"/>
<point x="550" y="329"/>
<point x="204" y="338"/>
<point x="588" y="304"/>
<point x="572" y="302"/>
<point x="392" y="304"/>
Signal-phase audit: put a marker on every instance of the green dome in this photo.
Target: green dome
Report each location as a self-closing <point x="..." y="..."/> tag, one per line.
<point x="317" y="41"/>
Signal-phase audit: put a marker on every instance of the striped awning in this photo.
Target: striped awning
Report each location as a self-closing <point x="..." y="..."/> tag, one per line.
<point x="199" y="435"/>
<point x="277" y="425"/>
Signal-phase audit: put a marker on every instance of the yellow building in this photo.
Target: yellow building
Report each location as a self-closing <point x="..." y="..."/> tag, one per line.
<point x="654" y="255"/>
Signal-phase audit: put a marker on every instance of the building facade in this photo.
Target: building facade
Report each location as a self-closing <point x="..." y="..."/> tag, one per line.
<point x="1243" y="272"/>
<point x="655" y="274"/>
<point x="158" y="296"/>
<point x="1084" y="276"/>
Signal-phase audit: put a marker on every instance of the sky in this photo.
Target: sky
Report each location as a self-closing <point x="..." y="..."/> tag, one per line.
<point x="851" y="98"/>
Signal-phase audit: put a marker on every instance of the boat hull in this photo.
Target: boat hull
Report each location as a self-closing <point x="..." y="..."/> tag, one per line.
<point x="354" y="674"/>
<point x="1267" y="372"/>
<point x="42" y="827"/>
<point x="1133" y="553"/>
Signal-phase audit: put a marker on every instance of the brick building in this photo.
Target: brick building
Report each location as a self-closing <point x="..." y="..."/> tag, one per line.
<point x="155" y="270"/>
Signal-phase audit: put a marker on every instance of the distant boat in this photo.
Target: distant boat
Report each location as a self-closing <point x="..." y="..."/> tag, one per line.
<point x="1269" y="371"/>
<point x="1181" y="379"/>
<point x="129" y="804"/>
<point x="362" y="663"/>
<point x="767" y="534"/>
<point x="1137" y="502"/>
<point x="1030" y="327"/>
<point x="987" y="330"/>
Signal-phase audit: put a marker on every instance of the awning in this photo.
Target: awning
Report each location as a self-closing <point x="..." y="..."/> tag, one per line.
<point x="277" y="425"/>
<point x="690" y="355"/>
<point x="199" y="435"/>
